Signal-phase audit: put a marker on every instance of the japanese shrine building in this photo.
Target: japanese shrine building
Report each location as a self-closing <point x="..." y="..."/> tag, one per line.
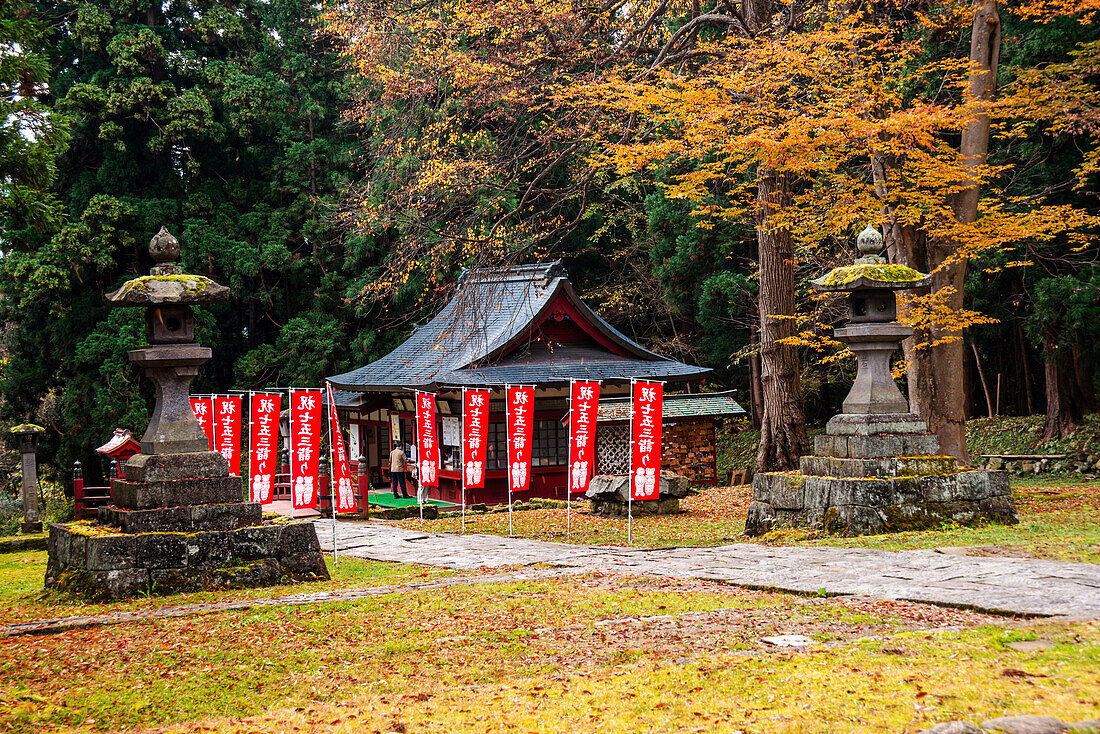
<point x="519" y="326"/>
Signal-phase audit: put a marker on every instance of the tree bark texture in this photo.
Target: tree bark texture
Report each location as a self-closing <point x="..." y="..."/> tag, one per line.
<point x="1062" y="413"/>
<point x="783" y="421"/>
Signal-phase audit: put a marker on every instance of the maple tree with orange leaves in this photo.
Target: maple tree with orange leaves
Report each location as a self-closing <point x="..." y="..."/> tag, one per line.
<point x="490" y="123"/>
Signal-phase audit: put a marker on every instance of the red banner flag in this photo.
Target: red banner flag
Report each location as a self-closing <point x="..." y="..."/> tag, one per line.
<point x="583" y="406"/>
<point x="305" y="446"/>
<point x="263" y="446"/>
<point x="227" y="428"/>
<point x="427" y="446"/>
<point x="645" y="463"/>
<point x="204" y="411"/>
<point x="521" y="410"/>
<point x="475" y="429"/>
<point x="341" y="469"/>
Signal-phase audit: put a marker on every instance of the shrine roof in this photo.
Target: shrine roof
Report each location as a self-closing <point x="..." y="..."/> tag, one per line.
<point x="479" y="339"/>
<point x="685" y="405"/>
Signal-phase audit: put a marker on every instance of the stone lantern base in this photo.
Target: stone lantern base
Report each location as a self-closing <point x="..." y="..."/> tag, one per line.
<point x="878" y="473"/>
<point x="177" y="523"/>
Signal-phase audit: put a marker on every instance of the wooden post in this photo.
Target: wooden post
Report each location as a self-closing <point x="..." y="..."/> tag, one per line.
<point x="363" y="481"/>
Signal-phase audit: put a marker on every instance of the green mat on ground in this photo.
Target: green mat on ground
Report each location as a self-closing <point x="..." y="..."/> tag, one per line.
<point x="388" y="500"/>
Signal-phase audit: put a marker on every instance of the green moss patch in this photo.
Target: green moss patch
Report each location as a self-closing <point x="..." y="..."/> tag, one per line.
<point x="881" y="272"/>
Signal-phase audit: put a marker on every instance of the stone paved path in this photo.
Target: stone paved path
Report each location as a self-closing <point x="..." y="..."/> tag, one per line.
<point x="1002" y="585"/>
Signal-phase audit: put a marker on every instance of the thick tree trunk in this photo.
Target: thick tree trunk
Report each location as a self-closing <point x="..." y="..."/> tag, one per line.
<point x="783" y="422"/>
<point x="1083" y="371"/>
<point x="1062" y="415"/>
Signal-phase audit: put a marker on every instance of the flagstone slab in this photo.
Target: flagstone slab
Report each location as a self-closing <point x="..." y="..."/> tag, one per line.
<point x="1018" y="586"/>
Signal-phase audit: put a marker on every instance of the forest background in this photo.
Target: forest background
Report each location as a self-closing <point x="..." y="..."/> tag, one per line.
<point x="693" y="166"/>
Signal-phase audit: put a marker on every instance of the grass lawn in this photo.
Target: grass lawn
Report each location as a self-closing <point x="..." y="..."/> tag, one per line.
<point x="590" y="653"/>
<point x="22" y="597"/>
<point x="1059" y="519"/>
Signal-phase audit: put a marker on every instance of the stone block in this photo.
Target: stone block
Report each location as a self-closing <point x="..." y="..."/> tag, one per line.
<point x="165" y="519"/>
<point x="262" y="572"/>
<point x="972" y="485"/>
<point x="875" y="424"/>
<point x="862" y="492"/>
<point x="172" y="467"/>
<point x="826" y="445"/>
<point x="786" y="491"/>
<point x="762" y="487"/>
<point x="297" y="538"/>
<point x="208" y="550"/>
<point x="151" y="495"/>
<point x="226" y="517"/>
<point x="925" y="465"/>
<point x="850" y="520"/>
<point x="936" y="489"/>
<point x="1025" y="725"/>
<point x="963" y="513"/>
<point x="161" y="550"/>
<point x="604" y="486"/>
<point x="110" y="552"/>
<point x="998" y="484"/>
<point x="828" y="466"/>
<point x="251" y="544"/>
<point x="760" y="518"/>
<point x="117" y="583"/>
<point x="999" y="508"/>
<point x="888" y="446"/>
<point x="306" y="566"/>
<point x="815" y="493"/>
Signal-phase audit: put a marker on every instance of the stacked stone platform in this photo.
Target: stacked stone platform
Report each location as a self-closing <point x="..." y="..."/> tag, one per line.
<point x="177" y="523"/>
<point x="878" y="473"/>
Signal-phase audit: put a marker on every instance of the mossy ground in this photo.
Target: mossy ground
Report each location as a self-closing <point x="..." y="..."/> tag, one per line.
<point x="590" y="653"/>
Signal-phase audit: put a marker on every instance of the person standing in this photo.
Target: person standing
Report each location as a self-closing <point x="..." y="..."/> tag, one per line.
<point x="397" y="470"/>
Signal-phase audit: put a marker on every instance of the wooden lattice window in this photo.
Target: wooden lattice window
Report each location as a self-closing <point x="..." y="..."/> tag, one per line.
<point x="612" y="449"/>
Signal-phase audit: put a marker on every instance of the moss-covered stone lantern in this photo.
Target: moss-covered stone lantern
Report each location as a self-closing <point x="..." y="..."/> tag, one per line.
<point x="876" y="468"/>
<point x="871" y="332"/>
<point x="177" y="520"/>
<point x="26" y="437"/>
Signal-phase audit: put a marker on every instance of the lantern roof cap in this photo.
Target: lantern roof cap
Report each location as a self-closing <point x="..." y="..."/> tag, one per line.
<point x="166" y="283"/>
<point x="26" y="429"/>
<point x="870" y="271"/>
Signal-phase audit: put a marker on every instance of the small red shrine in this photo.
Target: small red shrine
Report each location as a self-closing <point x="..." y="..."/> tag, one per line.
<point x="515" y="326"/>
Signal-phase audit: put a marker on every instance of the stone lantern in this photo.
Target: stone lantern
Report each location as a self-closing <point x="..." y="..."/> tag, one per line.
<point x="177" y="521"/>
<point x="26" y="437"/>
<point x="876" y="468"/>
<point x="871" y="332"/>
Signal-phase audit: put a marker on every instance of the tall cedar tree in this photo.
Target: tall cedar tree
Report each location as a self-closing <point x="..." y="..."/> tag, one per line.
<point x="220" y="121"/>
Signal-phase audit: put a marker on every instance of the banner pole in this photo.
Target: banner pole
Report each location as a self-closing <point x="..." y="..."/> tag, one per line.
<point x="508" y="452"/>
<point x="630" y="476"/>
<point x="419" y="458"/>
<point x="569" y="476"/>
<point x="290" y="440"/>
<point x="462" y="471"/>
<point x="332" y="468"/>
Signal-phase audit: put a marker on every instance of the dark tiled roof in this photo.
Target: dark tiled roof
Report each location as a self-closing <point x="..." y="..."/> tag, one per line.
<point x="490" y="312"/>
<point x="675" y="406"/>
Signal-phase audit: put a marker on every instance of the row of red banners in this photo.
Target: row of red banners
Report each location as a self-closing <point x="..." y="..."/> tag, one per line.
<point x="220" y="418"/>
